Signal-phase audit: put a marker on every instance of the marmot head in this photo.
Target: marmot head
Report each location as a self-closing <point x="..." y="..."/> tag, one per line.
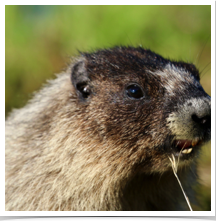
<point x="142" y="106"/>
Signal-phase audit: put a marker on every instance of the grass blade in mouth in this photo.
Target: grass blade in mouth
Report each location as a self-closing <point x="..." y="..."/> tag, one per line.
<point x="175" y="167"/>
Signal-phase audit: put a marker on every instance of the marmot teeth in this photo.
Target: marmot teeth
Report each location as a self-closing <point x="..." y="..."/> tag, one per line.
<point x="187" y="151"/>
<point x="195" y="142"/>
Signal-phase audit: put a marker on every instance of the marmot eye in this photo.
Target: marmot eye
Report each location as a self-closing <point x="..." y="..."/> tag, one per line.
<point x="134" y="91"/>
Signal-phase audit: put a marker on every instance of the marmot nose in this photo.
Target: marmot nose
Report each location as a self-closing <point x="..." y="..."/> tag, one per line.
<point x="204" y="121"/>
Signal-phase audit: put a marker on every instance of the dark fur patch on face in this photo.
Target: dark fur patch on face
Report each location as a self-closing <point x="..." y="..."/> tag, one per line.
<point x="138" y="126"/>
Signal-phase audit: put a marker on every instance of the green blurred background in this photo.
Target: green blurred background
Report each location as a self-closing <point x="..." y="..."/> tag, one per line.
<point x="41" y="39"/>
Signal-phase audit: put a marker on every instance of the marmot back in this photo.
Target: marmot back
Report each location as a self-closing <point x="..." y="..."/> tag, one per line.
<point x="99" y="136"/>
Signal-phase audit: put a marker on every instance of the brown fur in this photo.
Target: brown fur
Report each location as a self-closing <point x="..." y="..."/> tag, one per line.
<point x="65" y="151"/>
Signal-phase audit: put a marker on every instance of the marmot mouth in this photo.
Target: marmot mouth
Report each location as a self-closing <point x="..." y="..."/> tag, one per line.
<point x="186" y="146"/>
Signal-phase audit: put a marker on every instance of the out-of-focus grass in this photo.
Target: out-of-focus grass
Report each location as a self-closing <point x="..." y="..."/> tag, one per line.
<point x="40" y="39"/>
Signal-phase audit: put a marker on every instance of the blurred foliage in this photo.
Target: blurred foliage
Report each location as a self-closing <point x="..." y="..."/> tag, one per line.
<point x="40" y="39"/>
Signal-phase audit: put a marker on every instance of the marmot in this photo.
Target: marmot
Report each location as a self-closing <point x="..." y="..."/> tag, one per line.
<point x="99" y="136"/>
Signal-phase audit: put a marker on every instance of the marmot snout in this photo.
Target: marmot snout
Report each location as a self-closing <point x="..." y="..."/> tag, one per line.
<point x="99" y="136"/>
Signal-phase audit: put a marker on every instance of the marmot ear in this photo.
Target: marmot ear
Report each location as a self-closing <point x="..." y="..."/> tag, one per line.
<point x="80" y="80"/>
